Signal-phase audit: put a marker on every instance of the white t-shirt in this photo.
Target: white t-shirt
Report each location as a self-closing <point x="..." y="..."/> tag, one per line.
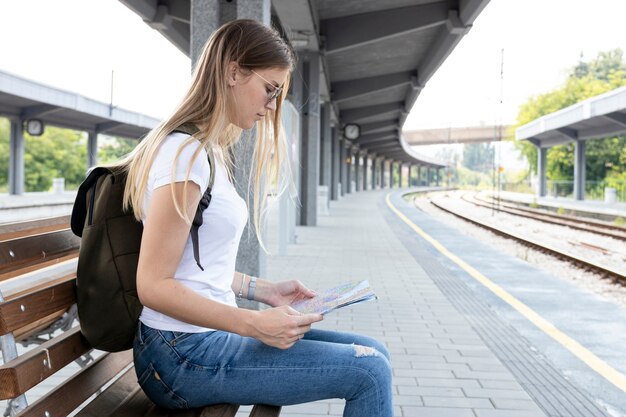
<point x="219" y="235"/>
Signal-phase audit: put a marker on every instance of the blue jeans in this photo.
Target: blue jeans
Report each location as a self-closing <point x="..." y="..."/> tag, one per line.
<point x="189" y="370"/>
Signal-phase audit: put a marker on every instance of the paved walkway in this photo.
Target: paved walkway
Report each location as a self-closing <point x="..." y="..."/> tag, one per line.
<point x="441" y="365"/>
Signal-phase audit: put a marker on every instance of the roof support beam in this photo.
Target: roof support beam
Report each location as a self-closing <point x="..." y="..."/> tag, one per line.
<point x="363" y="113"/>
<point x="38" y="111"/>
<point x="378" y="140"/>
<point x="384" y="147"/>
<point x="347" y="32"/>
<point x="346" y="90"/>
<point x="172" y="20"/>
<point x="376" y="127"/>
<point x="376" y="136"/>
<point x="619" y="118"/>
<point x="568" y="133"/>
<point x="441" y="48"/>
<point x="106" y="126"/>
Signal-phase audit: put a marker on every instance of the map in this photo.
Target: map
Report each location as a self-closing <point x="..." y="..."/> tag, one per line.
<point x="343" y="295"/>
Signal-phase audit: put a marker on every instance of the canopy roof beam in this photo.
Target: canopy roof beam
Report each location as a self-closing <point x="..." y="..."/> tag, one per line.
<point x="363" y="113"/>
<point x="347" y="90"/>
<point x="343" y="33"/>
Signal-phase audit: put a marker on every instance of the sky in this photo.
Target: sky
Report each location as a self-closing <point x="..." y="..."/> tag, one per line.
<point x="75" y="44"/>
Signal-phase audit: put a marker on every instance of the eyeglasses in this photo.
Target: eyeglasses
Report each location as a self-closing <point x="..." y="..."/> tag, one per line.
<point x="274" y="94"/>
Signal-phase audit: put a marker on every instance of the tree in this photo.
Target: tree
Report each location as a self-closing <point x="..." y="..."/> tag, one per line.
<point x="587" y="79"/>
<point x="58" y="153"/>
<point x="478" y="156"/>
<point x="114" y="148"/>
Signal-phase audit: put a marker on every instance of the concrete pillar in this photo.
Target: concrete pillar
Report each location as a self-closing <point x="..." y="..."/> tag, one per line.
<point x="349" y="169"/>
<point x="16" y="157"/>
<point x="358" y="174"/>
<point x="310" y="151"/>
<point x="92" y="149"/>
<point x="344" y="166"/>
<point x="419" y="175"/>
<point x="390" y="173"/>
<point x="336" y="160"/>
<point x="325" y="145"/>
<point x="438" y="175"/>
<point x="579" y="170"/>
<point x="542" y="162"/>
<point x="373" y="173"/>
<point x="206" y="17"/>
<point x="400" y="179"/>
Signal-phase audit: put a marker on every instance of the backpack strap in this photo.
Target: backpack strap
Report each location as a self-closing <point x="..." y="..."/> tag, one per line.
<point x="79" y="210"/>
<point x="202" y="205"/>
<point x="191" y="129"/>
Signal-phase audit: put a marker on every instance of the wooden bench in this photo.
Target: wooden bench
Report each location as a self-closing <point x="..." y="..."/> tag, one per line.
<point x="38" y="260"/>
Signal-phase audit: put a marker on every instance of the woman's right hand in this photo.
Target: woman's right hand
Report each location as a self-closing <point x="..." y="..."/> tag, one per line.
<point x="282" y="327"/>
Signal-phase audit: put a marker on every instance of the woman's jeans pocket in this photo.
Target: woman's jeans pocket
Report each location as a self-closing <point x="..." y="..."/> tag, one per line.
<point x="154" y="387"/>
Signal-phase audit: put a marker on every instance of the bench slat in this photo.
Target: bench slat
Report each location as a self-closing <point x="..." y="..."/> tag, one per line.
<point x="28" y="308"/>
<point x="265" y="411"/>
<point x="31" y="227"/>
<point x="65" y="398"/>
<point x="32" y="252"/>
<point x="29" y="369"/>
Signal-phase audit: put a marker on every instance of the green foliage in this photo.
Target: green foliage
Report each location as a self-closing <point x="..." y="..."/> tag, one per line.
<point x="58" y="153"/>
<point x="560" y="211"/>
<point x="534" y="204"/>
<point x="113" y="149"/>
<point x="619" y="221"/>
<point x="478" y="157"/>
<point x="472" y="179"/>
<point x="587" y="79"/>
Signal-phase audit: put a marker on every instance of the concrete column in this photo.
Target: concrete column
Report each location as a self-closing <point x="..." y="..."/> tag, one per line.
<point x="542" y="162"/>
<point x="366" y="172"/>
<point x="579" y="170"/>
<point x="310" y="152"/>
<point x="438" y="174"/>
<point x="373" y="173"/>
<point x="344" y="167"/>
<point x="419" y="175"/>
<point x="400" y="166"/>
<point x="357" y="171"/>
<point x="16" y="157"/>
<point x="335" y="177"/>
<point x="390" y="173"/>
<point x="92" y="149"/>
<point x="206" y="17"/>
<point x="325" y="145"/>
<point x="349" y="169"/>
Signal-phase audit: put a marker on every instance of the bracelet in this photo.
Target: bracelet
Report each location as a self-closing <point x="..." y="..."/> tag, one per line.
<point x="251" y="288"/>
<point x="243" y="279"/>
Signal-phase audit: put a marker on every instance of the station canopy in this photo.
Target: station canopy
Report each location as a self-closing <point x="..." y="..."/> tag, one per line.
<point x="24" y="99"/>
<point x="597" y="117"/>
<point x="376" y="56"/>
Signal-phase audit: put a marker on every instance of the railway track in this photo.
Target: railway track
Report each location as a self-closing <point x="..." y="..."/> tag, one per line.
<point x="598" y="228"/>
<point x="615" y="275"/>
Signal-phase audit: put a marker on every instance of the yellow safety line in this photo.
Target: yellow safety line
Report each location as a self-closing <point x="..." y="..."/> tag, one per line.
<point x="616" y="378"/>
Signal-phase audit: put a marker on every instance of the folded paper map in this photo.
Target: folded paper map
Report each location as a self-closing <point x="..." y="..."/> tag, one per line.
<point x="345" y="294"/>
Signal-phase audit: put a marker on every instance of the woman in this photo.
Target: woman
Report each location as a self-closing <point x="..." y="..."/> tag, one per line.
<point x="194" y="347"/>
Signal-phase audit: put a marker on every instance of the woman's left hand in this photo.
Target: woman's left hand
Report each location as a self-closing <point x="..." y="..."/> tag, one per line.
<point x="286" y="292"/>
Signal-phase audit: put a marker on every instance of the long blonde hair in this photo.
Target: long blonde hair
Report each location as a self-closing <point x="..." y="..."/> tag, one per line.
<point x="251" y="45"/>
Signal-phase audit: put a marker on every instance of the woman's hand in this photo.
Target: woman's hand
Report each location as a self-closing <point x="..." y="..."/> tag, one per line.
<point x="286" y="292"/>
<point x="281" y="327"/>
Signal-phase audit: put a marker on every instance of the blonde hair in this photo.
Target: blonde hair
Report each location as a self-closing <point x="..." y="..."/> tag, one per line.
<point x="251" y="45"/>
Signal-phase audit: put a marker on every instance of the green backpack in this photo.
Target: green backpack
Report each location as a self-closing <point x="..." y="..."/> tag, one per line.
<point x="108" y="305"/>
